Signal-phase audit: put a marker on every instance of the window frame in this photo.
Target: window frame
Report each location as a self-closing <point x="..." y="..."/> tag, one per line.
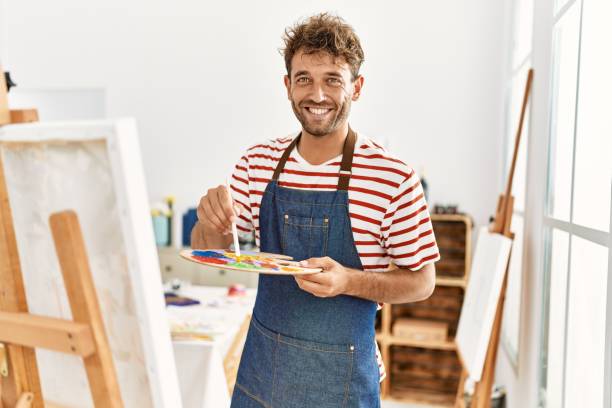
<point x="550" y="224"/>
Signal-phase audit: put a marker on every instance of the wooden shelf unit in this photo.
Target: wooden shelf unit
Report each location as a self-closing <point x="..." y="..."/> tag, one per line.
<point x="429" y="371"/>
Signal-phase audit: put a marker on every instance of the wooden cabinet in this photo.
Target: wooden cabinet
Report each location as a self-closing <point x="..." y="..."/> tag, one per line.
<point x="426" y="369"/>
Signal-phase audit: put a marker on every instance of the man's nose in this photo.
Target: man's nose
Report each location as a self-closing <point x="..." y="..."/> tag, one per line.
<point x="318" y="93"/>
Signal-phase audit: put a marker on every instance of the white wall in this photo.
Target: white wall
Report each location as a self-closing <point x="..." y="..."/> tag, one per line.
<point x="204" y="80"/>
<point x="3" y="28"/>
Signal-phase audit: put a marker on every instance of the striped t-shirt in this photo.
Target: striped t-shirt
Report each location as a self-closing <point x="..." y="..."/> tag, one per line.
<point x="389" y="215"/>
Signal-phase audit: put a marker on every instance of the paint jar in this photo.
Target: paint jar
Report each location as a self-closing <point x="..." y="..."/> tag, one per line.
<point x="160" y="227"/>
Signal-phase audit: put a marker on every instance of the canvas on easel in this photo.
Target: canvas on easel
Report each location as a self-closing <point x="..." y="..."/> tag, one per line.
<point x="480" y="303"/>
<point x="93" y="168"/>
<point x="21" y="333"/>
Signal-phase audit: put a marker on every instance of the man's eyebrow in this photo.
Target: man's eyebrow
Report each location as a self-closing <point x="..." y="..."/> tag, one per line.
<point x="329" y="73"/>
<point x="303" y="72"/>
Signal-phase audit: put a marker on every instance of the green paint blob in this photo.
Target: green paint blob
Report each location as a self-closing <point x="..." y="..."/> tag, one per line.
<point x="243" y="265"/>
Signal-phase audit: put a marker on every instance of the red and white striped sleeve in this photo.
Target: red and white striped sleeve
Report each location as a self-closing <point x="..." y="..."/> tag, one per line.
<point x="239" y="185"/>
<point x="406" y="229"/>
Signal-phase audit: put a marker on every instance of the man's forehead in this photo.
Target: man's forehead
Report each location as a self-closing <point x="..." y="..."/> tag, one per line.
<point x="318" y="61"/>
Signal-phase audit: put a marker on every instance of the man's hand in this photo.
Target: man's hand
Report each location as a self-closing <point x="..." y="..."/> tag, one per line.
<point x="217" y="210"/>
<point x="393" y="286"/>
<point x="333" y="281"/>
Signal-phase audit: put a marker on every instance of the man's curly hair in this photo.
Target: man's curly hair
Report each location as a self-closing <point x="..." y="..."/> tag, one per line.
<point x="323" y="33"/>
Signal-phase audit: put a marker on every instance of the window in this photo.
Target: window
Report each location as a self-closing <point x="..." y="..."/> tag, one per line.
<point x="576" y="367"/>
<point x="519" y="64"/>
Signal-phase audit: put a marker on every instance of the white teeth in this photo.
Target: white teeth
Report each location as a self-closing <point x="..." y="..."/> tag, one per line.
<point x="318" y="111"/>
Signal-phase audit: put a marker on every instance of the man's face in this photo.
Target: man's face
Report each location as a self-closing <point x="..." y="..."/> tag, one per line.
<point x="321" y="90"/>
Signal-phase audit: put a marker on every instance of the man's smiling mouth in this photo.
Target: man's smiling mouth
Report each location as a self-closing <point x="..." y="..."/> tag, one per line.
<point x="318" y="111"/>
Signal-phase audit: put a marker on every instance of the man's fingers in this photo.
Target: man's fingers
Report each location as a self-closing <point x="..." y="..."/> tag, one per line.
<point x="218" y="210"/>
<point x="325" y="263"/>
<point x="320" y="278"/>
<point x="226" y="203"/>
<point x="212" y="216"/>
<point x="314" y="288"/>
<point x="310" y="287"/>
<point x="219" y="207"/>
<point x="200" y="211"/>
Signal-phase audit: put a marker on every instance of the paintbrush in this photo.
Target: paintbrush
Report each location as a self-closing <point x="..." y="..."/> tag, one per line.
<point x="234" y="229"/>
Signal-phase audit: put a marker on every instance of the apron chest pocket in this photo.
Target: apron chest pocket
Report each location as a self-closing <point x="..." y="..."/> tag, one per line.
<point x="305" y="235"/>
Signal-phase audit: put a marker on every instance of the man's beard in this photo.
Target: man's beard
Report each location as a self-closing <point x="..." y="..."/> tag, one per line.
<point x="323" y="128"/>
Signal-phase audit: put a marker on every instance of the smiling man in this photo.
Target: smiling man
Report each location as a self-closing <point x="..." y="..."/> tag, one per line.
<point x="335" y="200"/>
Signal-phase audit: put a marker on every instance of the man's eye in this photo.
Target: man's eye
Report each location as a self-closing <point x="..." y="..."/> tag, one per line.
<point x="334" y="81"/>
<point x="302" y="80"/>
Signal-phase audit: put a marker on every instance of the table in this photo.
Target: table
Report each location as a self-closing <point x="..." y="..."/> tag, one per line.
<point x="199" y="363"/>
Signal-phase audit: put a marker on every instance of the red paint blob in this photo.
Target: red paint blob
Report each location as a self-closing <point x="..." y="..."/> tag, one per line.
<point x="206" y="259"/>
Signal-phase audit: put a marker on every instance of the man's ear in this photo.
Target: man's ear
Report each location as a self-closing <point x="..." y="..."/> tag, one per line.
<point x="357" y="86"/>
<point x="288" y="86"/>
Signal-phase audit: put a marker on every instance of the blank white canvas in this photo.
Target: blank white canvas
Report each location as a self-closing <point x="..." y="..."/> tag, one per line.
<point x="95" y="169"/>
<point x="480" y="302"/>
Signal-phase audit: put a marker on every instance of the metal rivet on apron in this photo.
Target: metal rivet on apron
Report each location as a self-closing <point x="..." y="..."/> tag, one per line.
<point x="326" y="220"/>
<point x="286" y="216"/>
<point x="352" y="348"/>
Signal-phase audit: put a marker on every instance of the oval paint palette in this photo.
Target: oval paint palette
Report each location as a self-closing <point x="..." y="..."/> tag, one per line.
<point x="258" y="262"/>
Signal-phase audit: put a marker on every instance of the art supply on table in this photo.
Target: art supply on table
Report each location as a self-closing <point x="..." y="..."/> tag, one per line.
<point x="234" y="229"/>
<point x="236" y="290"/>
<point x="175" y="284"/>
<point x="173" y="299"/>
<point x="190" y="330"/>
<point x="247" y="262"/>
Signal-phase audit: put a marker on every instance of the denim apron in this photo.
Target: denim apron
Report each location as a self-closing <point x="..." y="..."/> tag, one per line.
<point x="301" y="350"/>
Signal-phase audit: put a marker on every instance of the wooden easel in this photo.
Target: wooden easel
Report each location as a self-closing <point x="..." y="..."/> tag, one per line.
<point x="232" y="358"/>
<point x="501" y="225"/>
<point x="21" y="332"/>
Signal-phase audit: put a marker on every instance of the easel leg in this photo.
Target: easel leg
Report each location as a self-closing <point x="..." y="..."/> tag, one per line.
<point x="23" y="370"/>
<point x="85" y="308"/>
<point x="25" y="401"/>
<point x="482" y="391"/>
<point x="231" y="361"/>
<point x="459" y="401"/>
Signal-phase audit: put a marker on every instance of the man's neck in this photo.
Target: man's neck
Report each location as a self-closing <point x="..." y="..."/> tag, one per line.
<point x="319" y="149"/>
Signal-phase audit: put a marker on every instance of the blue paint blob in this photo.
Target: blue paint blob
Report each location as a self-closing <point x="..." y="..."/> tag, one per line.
<point x="209" y="254"/>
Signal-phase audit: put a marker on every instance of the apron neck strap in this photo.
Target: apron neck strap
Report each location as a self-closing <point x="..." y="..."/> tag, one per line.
<point x="281" y="163"/>
<point x="345" y="166"/>
<point x="347" y="160"/>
